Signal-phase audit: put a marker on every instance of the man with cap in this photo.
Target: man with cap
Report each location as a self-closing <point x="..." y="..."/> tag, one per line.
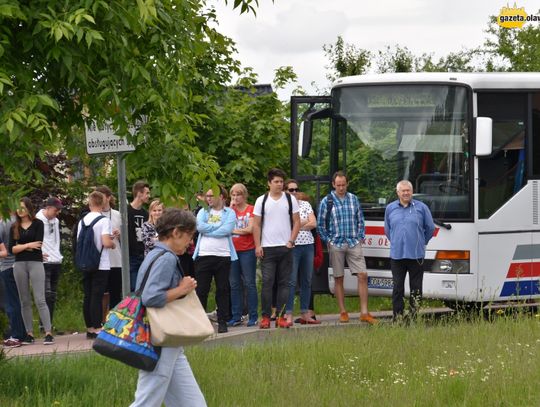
<point x="52" y="258"/>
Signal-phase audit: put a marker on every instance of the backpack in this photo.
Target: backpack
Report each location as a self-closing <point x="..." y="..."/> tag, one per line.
<point x="289" y="201"/>
<point x="87" y="257"/>
<point x="329" y="206"/>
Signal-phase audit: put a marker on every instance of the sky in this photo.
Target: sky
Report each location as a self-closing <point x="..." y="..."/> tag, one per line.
<point x="293" y="32"/>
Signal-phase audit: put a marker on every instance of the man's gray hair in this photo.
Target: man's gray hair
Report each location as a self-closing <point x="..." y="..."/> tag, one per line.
<point x="404" y="182"/>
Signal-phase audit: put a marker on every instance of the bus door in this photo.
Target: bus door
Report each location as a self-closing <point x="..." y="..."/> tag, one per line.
<point x="311" y="159"/>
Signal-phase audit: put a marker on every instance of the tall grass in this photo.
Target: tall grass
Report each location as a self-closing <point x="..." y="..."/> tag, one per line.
<point x="458" y="363"/>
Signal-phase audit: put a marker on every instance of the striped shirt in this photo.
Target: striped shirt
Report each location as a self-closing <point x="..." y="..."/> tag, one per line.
<point x="346" y="223"/>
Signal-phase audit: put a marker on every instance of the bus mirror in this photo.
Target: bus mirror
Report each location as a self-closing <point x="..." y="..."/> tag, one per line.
<point x="305" y="135"/>
<point x="484" y="136"/>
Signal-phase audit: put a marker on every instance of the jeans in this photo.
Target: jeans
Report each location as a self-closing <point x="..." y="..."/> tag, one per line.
<point x="94" y="286"/>
<point x="13" y="305"/>
<point x="172" y="382"/>
<point x="114" y="286"/>
<point x="32" y="273"/>
<point x="52" y="275"/>
<point x="416" y="274"/>
<point x="243" y="274"/>
<point x="218" y="267"/>
<point x="135" y="262"/>
<point x="276" y="266"/>
<point x="303" y="269"/>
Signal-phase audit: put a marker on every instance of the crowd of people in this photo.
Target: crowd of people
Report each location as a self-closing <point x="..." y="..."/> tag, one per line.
<point x="281" y="230"/>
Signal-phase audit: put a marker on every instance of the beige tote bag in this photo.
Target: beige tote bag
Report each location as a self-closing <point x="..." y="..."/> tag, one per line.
<point x="180" y="322"/>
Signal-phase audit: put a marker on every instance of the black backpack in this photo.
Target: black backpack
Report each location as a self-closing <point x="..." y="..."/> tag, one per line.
<point x="289" y="201"/>
<point x="87" y="257"/>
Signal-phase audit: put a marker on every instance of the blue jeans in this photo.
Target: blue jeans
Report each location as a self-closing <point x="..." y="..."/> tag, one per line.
<point x="243" y="271"/>
<point x="303" y="270"/>
<point x="13" y="305"/>
<point x="172" y="382"/>
<point x="134" y="265"/>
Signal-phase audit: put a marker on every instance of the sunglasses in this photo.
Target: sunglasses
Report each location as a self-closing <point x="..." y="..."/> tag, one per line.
<point x="51" y="228"/>
<point x="291" y="190"/>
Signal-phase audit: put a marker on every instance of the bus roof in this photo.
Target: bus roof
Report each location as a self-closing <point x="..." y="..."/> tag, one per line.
<point x="476" y="80"/>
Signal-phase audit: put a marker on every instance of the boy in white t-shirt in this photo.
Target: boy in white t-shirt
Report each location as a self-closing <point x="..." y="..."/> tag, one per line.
<point x="275" y="226"/>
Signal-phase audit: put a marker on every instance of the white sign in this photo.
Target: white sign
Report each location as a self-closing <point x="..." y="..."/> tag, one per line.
<point x="104" y="141"/>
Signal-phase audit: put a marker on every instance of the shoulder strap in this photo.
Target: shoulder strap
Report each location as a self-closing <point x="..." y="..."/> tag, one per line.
<point x="289" y="200"/>
<point x="329" y="206"/>
<point x="91" y="225"/>
<point x="147" y="273"/>
<point x="262" y="208"/>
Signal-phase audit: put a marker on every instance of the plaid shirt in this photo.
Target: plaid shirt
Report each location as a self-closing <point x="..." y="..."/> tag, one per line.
<point x="346" y="223"/>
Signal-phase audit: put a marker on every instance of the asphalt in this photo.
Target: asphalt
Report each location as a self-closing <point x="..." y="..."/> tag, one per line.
<point x="237" y="336"/>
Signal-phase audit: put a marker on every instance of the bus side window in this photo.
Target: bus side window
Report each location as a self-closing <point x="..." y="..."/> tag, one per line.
<point x="503" y="173"/>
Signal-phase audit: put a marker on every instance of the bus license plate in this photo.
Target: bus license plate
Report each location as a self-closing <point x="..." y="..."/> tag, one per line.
<point x="380" y="282"/>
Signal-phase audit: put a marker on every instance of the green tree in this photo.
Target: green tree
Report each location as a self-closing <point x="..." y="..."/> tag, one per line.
<point x="64" y="63"/>
<point x="345" y="59"/>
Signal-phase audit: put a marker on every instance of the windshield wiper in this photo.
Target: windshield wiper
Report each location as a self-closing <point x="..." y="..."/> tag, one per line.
<point x="447" y="226"/>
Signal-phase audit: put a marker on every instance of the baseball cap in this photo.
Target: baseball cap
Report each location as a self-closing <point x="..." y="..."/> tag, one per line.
<point x="52" y="201"/>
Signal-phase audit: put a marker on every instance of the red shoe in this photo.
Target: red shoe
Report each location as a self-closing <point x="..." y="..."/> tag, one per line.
<point x="309" y="321"/>
<point x="265" y="323"/>
<point x="282" y="323"/>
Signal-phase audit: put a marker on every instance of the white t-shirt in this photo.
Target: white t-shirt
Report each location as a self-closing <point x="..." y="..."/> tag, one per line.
<point x="276" y="230"/>
<point x="102" y="227"/>
<point x="214" y="246"/>
<point x="51" y="238"/>
<point x="115" y="255"/>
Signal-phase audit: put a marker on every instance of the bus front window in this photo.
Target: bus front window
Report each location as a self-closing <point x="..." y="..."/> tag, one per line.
<point x="415" y="132"/>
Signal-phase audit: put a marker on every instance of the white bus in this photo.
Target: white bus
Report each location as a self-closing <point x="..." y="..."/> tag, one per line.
<point x="470" y="145"/>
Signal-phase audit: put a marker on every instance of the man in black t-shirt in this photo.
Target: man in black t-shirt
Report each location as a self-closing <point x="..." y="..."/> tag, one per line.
<point x="137" y="215"/>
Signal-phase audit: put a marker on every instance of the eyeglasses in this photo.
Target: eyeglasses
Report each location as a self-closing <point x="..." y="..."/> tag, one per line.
<point x="291" y="190"/>
<point x="209" y="196"/>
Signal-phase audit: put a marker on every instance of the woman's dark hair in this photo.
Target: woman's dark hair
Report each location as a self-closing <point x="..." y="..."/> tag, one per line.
<point x="31" y="215"/>
<point x="174" y="218"/>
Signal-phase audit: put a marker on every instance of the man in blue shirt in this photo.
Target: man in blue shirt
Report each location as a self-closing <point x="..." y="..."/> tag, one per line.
<point x="409" y="227"/>
<point x="341" y="227"/>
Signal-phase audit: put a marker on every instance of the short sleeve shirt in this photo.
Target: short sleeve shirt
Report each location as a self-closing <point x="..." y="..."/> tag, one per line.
<point x="304" y="236"/>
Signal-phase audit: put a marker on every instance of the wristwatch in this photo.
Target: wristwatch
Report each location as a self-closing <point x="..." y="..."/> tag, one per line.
<point x="292" y="243"/>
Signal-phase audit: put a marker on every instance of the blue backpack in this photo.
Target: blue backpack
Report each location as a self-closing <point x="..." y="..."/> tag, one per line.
<point x="87" y="257"/>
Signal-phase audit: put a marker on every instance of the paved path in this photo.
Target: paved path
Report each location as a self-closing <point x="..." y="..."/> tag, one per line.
<point x="77" y="342"/>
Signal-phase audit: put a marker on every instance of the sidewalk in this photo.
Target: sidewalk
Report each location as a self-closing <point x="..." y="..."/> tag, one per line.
<point x="77" y="342"/>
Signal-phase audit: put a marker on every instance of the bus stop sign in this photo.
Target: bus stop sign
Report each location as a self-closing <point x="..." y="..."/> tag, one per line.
<point x="105" y="141"/>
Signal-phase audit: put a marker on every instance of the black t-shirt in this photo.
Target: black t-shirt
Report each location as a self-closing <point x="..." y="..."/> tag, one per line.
<point x="136" y="218"/>
<point x="34" y="233"/>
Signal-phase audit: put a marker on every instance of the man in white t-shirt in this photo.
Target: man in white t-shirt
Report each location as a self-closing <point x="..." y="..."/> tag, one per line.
<point x="214" y="253"/>
<point x="275" y="226"/>
<point x="52" y="258"/>
<point x="95" y="281"/>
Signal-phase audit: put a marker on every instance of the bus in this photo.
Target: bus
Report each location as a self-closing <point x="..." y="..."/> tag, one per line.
<point x="470" y="145"/>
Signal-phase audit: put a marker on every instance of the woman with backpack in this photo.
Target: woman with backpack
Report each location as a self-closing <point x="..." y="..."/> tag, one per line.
<point x="94" y="239"/>
<point x="26" y="238"/>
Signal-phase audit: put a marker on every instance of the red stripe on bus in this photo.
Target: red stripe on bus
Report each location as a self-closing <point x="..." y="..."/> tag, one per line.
<point x="524" y="270"/>
<point x="379" y="230"/>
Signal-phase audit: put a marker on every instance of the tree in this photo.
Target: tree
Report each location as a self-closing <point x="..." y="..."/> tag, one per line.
<point x="345" y="59"/>
<point x="64" y="63"/>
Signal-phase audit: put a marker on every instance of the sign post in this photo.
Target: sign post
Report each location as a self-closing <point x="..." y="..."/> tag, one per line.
<point x="105" y="141"/>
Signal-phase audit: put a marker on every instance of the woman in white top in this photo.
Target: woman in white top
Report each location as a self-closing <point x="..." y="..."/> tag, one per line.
<point x="303" y="253"/>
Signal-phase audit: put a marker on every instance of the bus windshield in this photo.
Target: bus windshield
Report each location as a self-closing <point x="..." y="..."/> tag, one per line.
<point x="387" y="133"/>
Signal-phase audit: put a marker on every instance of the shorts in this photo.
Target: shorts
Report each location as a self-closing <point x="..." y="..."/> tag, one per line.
<point x="354" y="256"/>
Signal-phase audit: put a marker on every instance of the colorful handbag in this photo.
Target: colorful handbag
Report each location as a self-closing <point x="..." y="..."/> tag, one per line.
<point x="126" y="333"/>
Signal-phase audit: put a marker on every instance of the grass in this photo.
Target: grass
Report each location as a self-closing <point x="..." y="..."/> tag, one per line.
<point x="454" y="363"/>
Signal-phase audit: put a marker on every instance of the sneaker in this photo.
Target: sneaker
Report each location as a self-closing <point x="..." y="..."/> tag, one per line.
<point x="370" y="319"/>
<point x="282" y="323"/>
<point x="265" y="323"/>
<point x="344" y="317"/>
<point x="49" y="340"/>
<point x="234" y="322"/>
<point x="212" y="316"/>
<point x="222" y="328"/>
<point x="252" y="322"/>
<point x="12" y="343"/>
<point x="28" y="340"/>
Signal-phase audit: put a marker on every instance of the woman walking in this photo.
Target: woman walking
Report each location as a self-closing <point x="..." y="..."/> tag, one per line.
<point x="172" y="380"/>
<point x="26" y="237"/>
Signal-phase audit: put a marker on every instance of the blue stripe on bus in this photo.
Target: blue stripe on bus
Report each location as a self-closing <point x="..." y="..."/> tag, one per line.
<point x="521" y="287"/>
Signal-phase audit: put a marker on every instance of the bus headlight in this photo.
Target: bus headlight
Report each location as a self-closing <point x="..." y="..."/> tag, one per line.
<point x="451" y="261"/>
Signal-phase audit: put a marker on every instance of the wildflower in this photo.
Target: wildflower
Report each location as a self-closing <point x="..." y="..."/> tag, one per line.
<point x="500" y="311"/>
<point x="453" y="372"/>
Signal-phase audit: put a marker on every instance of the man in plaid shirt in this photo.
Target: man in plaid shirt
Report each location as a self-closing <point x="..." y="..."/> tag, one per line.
<point x="341" y="227"/>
